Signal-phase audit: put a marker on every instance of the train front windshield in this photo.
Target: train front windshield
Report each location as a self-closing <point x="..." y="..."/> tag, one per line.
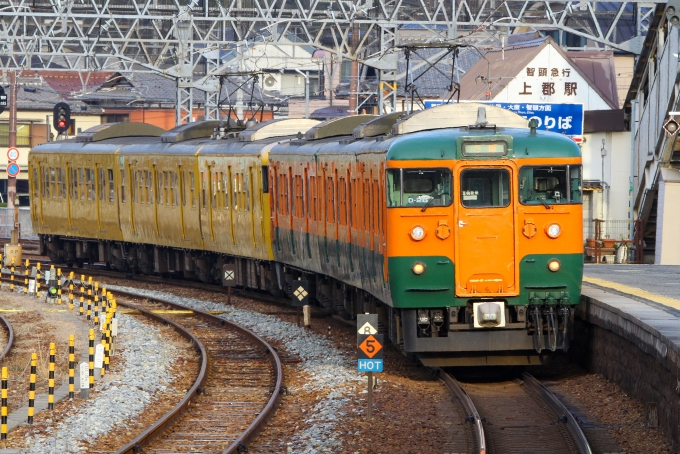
<point x="418" y="187"/>
<point x="550" y="184"/>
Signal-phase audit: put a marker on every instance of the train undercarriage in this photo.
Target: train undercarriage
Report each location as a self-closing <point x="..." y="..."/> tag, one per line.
<point x="437" y="337"/>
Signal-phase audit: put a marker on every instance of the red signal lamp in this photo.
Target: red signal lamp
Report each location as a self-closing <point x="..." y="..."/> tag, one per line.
<point x="62" y="123"/>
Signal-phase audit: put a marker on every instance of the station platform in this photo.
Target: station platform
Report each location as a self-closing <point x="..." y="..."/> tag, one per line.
<point x="632" y="335"/>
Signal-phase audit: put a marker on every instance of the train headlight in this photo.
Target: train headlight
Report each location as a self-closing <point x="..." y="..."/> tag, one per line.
<point x="418" y="268"/>
<point x="418" y="233"/>
<point x="553" y="230"/>
<point x="554" y="265"/>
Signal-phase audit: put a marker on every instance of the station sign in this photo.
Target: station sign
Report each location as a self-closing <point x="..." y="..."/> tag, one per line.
<point x="300" y="293"/>
<point x="12" y="154"/>
<point x="562" y="118"/>
<point x="13" y="169"/>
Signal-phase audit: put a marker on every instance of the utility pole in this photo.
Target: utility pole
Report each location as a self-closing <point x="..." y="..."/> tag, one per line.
<point x="12" y="251"/>
<point x="354" y="72"/>
<point x="12" y="181"/>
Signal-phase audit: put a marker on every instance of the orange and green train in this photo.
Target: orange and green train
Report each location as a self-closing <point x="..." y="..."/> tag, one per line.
<point x="459" y="225"/>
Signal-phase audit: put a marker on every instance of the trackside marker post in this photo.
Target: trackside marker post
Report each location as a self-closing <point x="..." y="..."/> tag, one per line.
<point x="91" y="357"/>
<point x="71" y="366"/>
<point x="98" y="361"/>
<point x="50" y="384"/>
<point x="31" y="388"/>
<point x="5" y="379"/>
<point x="84" y="380"/>
<point x="370" y="351"/>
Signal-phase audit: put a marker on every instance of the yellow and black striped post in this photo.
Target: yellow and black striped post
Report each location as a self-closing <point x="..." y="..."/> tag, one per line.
<point x="27" y="273"/>
<point x="71" y="367"/>
<point x="5" y="379"/>
<point x="91" y="357"/>
<point x="11" y="277"/>
<point x="59" y="284"/>
<point x="82" y="301"/>
<point x="38" y="266"/>
<point x="70" y="300"/>
<point x="89" y="305"/>
<point x="31" y="389"/>
<point x="50" y="384"/>
<point x="37" y="282"/>
<point x="107" y="344"/>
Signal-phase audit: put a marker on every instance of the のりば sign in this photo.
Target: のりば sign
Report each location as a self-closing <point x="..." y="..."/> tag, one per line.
<point x="561" y="118"/>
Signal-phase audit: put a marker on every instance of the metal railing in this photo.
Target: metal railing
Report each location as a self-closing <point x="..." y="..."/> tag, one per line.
<point x="614" y="229"/>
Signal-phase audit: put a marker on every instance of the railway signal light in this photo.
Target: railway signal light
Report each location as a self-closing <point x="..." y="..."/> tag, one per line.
<point x="61" y="119"/>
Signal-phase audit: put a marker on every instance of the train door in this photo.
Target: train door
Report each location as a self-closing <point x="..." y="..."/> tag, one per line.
<point x="485" y="241"/>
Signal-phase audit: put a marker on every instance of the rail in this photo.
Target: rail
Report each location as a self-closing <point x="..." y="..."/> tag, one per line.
<point x="472" y="414"/>
<point x="135" y="445"/>
<point x="559" y="409"/>
<point x="10" y="337"/>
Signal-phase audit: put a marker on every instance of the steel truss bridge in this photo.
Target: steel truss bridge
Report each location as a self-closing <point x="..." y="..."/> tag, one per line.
<point x="185" y="40"/>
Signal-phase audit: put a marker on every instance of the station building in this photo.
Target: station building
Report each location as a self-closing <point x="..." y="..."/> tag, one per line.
<point x="534" y="70"/>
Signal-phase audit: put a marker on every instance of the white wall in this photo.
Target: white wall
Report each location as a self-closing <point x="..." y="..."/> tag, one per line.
<point x="667" y="250"/>
<point x="613" y="202"/>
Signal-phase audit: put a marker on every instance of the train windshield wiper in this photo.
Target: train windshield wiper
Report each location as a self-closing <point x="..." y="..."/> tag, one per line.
<point x="545" y="204"/>
<point x="429" y="202"/>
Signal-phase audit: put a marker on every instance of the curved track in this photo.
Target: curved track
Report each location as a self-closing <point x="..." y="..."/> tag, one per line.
<point x="237" y="388"/>
<point x="10" y="337"/>
<point x="518" y="416"/>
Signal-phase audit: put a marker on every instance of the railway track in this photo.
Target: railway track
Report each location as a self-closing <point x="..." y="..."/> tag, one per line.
<point x="236" y="391"/>
<point x="7" y="327"/>
<point x="517" y="416"/>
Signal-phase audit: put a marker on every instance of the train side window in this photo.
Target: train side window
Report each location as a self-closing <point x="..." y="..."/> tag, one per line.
<point x="282" y="194"/>
<point x="485" y="188"/>
<point x="101" y="183"/>
<point x="74" y="184"/>
<point x="312" y="198"/>
<point x="330" y="201"/>
<point x="297" y="201"/>
<point x="175" y="180"/>
<point x="160" y="200"/>
<point x="182" y="188"/>
<point x="192" y="189"/>
<point x="203" y="189"/>
<point x="81" y="183"/>
<point x="342" y="201"/>
<point x="112" y="191"/>
<point x="53" y="182"/>
<point x="167" y="176"/>
<point x="123" y="197"/>
<point x="575" y="184"/>
<point x="36" y="185"/>
<point x="91" y="188"/>
<point x="134" y="185"/>
<point x="225" y="185"/>
<point x="213" y="185"/>
<point x="59" y="183"/>
<point x="44" y="183"/>
<point x="245" y="177"/>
